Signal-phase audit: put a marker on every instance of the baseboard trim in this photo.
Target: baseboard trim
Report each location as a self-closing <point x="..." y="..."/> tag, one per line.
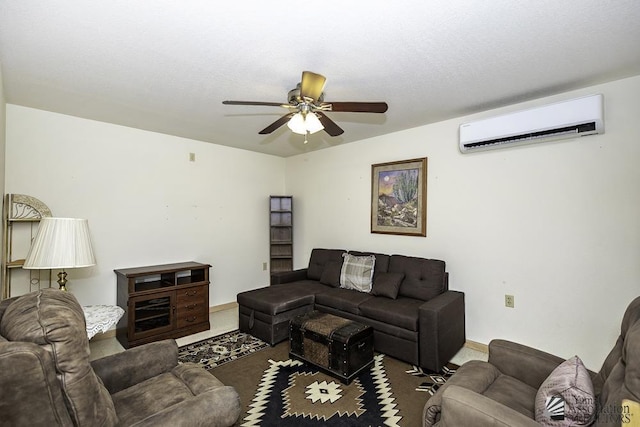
<point x="473" y="345"/>
<point x="227" y="306"/>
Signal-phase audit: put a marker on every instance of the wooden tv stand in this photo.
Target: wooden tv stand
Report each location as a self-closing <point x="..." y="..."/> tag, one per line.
<point x="162" y="301"/>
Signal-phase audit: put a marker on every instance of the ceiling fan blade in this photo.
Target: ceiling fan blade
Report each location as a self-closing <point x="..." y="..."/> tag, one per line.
<point x="270" y="104"/>
<point x="311" y="85"/>
<point x="275" y="125"/>
<point x="358" y="107"/>
<point x="329" y="125"/>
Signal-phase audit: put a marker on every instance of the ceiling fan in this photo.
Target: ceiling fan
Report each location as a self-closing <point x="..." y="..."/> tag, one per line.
<point x="307" y="108"/>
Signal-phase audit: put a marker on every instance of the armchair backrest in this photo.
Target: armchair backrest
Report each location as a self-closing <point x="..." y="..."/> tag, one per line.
<point x="45" y="333"/>
<point x="620" y="373"/>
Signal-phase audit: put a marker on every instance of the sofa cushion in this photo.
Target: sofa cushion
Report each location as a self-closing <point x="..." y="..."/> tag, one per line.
<point x="423" y="278"/>
<point x="568" y="389"/>
<point x="54" y="320"/>
<point x="402" y="312"/>
<point x="357" y="272"/>
<point x="387" y="284"/>
<point x="331" y="274"/>
<point x="277" y="298"/>
<point x="319" y="258"/>
<point x="150" y="403"/>
<point x="346" y="300"/>
<point x="512" y="393"/>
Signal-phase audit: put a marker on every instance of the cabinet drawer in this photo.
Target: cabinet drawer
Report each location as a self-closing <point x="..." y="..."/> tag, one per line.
<point x="190" y="319"/>
<point x="195" y="293"/>
<point x="191" y="308"/>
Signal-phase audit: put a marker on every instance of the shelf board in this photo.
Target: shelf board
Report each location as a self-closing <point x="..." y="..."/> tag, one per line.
<point x="15" y="264"/>
<point x="152" y="285"/>
<point x="142" y="318"/>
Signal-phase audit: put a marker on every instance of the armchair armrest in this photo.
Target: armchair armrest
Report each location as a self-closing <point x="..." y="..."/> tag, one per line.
<point x="527" y="364"/>
<point x="463" y="407"/>
<point x="130" y="367"/>
<point x="288" y="276"/>
<point x="442" y="329"/>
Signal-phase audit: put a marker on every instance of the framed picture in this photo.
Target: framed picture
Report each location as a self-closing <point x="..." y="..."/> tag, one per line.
<point x="399" y="197"/>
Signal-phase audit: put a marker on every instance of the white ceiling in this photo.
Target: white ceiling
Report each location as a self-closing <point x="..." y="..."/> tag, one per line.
<point x="166" y="66"/>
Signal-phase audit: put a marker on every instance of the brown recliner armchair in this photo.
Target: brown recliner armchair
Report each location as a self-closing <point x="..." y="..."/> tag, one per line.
<point x="502" y="391"/>
<point x="46" y="377"/>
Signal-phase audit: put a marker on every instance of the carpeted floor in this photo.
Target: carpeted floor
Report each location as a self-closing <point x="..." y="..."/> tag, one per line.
<point x="292" y="393"/>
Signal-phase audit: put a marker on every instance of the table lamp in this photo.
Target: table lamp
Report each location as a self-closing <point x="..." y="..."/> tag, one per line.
<point x="60" y="243"/>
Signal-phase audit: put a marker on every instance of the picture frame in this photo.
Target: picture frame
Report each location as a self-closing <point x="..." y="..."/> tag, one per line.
<point x="399" y="197"/>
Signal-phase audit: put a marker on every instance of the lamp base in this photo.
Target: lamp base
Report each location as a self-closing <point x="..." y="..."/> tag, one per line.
<point x="62" y="280"/>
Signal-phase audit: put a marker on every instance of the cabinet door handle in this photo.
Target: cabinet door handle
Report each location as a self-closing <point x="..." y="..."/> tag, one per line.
<point x="191" y="293"/>
<point x="190" y="319"/>
<point x="191" y="306"/>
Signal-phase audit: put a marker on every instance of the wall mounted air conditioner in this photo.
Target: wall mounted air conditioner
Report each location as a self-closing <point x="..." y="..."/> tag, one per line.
<point x="566" y="119"/>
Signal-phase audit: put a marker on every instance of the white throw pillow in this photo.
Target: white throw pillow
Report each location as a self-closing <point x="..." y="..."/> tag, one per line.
<point x="357" y="272"/>
<point x="566" y="397"/>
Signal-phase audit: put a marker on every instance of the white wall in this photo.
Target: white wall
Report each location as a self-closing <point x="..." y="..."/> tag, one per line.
<point x="2" y="130"/>
<point x="2" y="151"/>
<point x="146" y="202"/>
<point x="556" y="224"/>
<point x="2" y="133"/>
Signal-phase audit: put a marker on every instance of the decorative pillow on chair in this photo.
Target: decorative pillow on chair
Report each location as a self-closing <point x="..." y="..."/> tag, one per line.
<point x="331" y="274"/>
<point x="566" y="397"/>
<point x="387" y="284"/>
<point x="357" y="272"/>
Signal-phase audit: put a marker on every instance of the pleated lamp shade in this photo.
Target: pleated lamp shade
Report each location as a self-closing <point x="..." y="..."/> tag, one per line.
<point x="61" y="243"/>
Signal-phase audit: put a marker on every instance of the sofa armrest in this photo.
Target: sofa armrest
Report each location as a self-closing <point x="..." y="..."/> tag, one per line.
<point x="527" y="364"/>
<point x="463" y="407"/>
<point x="288" y="276"/>
<point x="442" y="329"/>
<point x="130" y="367"/>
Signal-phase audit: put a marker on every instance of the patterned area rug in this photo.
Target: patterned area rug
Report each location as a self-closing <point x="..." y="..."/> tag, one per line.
<point x="220" y="349"/>
<point x="432" y="380"/>
<point x="292" y="393"/>
<point x="277" y="391"/>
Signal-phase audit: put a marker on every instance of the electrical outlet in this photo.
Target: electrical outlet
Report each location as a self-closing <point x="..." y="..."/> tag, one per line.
<point x="264" y="266"/>
<point x="509" y="301"/>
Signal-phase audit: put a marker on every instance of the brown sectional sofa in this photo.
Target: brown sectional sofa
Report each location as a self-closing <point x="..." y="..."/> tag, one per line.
<point x="415" y="317"/>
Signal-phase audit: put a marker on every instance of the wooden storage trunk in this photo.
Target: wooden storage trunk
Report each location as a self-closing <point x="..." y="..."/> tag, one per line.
<point x="339" y="347"/>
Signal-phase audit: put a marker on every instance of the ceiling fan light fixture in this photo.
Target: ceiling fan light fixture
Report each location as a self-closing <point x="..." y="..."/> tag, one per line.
<point x="301" y="123"/>
<point x="313" y="123"/>
<point x="297" y="124"/>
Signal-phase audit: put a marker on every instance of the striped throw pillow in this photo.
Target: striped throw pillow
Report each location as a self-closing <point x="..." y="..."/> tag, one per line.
<point x="357" y="272"/>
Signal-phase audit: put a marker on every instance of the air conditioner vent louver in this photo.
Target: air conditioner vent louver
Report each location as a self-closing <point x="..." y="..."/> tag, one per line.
<point x="568" y="119"/>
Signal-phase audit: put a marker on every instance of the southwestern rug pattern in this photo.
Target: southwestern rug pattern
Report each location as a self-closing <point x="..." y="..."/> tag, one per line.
<point x="292" y="393"/>
<point x="277" y="391"/>
<point x="432" y="380"/>
<point x="216" y="351"/>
